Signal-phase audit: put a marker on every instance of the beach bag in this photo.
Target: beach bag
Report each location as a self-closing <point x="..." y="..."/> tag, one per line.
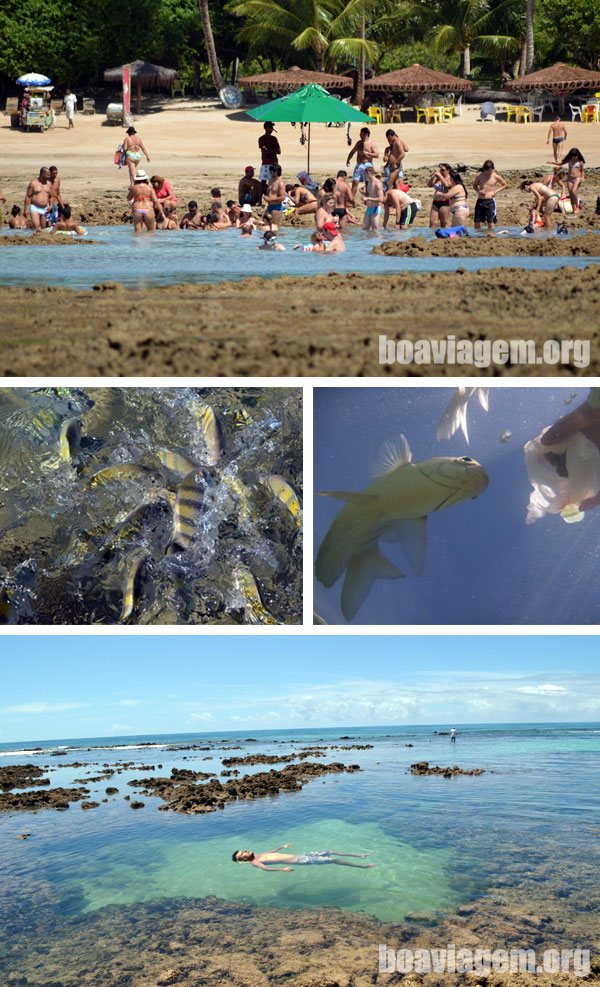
<point x="120" y="157"/>
<point x="449" y="232"/>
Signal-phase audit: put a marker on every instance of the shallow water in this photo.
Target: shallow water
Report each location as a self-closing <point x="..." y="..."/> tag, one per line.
<point x="435" y="842"/>
<point x="66" y="544"/>
<point x="484" y="565"/>
<point x="184" y="257"/>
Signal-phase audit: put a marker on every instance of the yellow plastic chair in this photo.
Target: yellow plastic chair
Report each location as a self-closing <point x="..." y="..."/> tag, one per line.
<point x="448" y="112"/>
<point x="434" y="114"/>
<point x="375" y="114"/>
<point x="511" y="111"/>
<point x="421" y="113"/>
<point x="589" y="113"/>
<point x="523" y="114"/>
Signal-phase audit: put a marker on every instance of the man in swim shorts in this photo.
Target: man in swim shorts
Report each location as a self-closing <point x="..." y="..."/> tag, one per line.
<point x="56" y="200"/>
<point x="269" y="149"/>
<point x="266" y="861"/>
<point x="405" y="207"/>
<point x="37" y="199"/>
<point x="557" y="133"/>
<point x="373" y="200"/>
<point x="275" y="195"/>
<point x="366" y="152"/>
<point x="396" y="152"/>
<point x="487" y="185"/>
<point x="344" y="200"/>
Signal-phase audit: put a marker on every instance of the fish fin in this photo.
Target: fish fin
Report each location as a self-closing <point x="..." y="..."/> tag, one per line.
<point x="483" y="393"/>
<point x="450" y="421"/>
<point x="393" y="453"/>
<point x="462" y="422"/>
<point x="351" y="497"/>
<point x="362" y="572"/>
<point x="412" y="535"/>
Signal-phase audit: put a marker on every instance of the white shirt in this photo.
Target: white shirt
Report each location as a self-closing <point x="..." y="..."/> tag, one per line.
<point x="70" y="102"/>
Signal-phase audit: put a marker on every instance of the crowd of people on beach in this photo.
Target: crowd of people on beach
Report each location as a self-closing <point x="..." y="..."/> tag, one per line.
<point x="265" y="201"/>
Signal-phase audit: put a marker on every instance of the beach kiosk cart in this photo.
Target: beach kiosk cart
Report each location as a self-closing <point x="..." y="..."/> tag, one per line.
<point x="37" y="113"/>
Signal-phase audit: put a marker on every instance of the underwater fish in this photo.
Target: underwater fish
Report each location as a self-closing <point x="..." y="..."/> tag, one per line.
<point x="505" y="435"/>
<point x="176" y="462"/>
<point x="254" y="608"/>
<point x="241" y="419"/>
<point x="213" y="435"/>
<point x="562" y="477"/>
<point x="189" y="506"/>
<point x="134" y="566"/>
<point x="288" y="497"/>
<point x="140" y="518"/>
<point x="455" y="415"/>
<point x="70" y="438"/>
<point x="122" y="472"/>
<point x="241" y="496"/>
<point x="570" y="397"/>
<point x="394" y="507"/>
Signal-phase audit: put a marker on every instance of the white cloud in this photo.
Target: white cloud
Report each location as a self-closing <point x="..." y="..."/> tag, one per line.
<point x="545" y="689"/>
<point x="202" y="717"/>
<point x="34" y="708"/>
<point x="120" y="728"/>
<point x="129" y="702"/>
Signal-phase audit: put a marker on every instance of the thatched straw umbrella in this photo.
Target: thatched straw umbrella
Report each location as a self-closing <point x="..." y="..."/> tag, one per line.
<point x="418" y="79"/>
<point x="290" y="79"/>
<point x="559" y="78"/>
<point x="146" y="76"/>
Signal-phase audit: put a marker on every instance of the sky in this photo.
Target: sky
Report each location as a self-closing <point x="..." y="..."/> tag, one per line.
<point x="67" y="687"/>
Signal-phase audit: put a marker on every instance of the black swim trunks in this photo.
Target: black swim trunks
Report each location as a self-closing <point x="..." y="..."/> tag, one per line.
<point x="407" y="216"/>
<point x="485" y="211"/>
<point x="340" y="213"/>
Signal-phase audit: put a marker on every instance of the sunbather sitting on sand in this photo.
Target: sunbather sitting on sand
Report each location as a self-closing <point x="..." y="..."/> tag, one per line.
<point x="265" y="861"/>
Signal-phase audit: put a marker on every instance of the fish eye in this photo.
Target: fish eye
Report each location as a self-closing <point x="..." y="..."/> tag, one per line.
<point x="466" y="459"/>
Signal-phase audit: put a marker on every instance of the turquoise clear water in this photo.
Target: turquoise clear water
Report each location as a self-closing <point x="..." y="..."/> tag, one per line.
<point x="184" y="257"/>
<point x="484" y="564"/>
<point x="435" y="842"/>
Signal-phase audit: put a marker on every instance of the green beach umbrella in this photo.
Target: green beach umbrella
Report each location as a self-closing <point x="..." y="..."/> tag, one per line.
<point x="310" y="104"/>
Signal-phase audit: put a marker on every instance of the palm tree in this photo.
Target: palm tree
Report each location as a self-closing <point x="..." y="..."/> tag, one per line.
<point x="322" y="32"/>
<point x="211" y="50"/>
<point x="529" y="41"/>
<point x="468" y="25"/>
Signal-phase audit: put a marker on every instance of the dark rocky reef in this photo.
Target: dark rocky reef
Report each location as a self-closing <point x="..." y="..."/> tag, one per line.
<point x="53" y="798"/>
<point x="424" y="768"/>
<point x="21" y="776"/>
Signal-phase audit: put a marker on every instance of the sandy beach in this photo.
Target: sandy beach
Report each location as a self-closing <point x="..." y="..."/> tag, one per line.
<point x="221" y="329"/>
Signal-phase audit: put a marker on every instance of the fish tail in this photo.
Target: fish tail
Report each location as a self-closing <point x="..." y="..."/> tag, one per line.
<point x="362" y="572"/>
<point x="351" y="534"/>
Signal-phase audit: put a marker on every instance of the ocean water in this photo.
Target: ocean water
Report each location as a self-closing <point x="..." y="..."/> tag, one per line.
<point x="484" y="565"/>
<point x="183" y="257"/>
<point x="435" y="842"/>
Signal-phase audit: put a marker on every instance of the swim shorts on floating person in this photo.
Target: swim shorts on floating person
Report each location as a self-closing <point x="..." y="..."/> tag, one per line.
<point x="485" y="211"/>
<point x="316" y="857"/>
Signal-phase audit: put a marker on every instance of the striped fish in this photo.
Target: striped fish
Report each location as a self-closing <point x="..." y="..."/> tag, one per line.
<point x="134" y="567"/>
<point x="241" y="496"/>
<point x="288" y="497"/>
<point x="176" y="462"/>
<point x="213" y="435"/>
<point x="124" y="471"/>
<point x="189" y="505"/>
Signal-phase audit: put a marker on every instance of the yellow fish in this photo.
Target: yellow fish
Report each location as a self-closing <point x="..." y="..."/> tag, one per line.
<point x="288" y="497"/>
<point x="394" y="507"/>
<point x="254" y="608"/>
<point x="70" y="437"/>
<point x="134" y="566"/>
<point x="175" y="461"/>
<point x="189" y="505"/>
<point x="122" y="472"/>
<point x="213" y="435"/>
<point x="241" y="496"/>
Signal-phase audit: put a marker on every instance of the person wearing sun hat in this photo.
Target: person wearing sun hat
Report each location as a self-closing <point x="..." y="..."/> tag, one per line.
<point x="249" y="188"/>
<point x="144" y="203"/>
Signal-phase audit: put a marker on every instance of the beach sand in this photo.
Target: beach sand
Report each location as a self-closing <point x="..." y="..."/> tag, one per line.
<point x="252" y="327"/>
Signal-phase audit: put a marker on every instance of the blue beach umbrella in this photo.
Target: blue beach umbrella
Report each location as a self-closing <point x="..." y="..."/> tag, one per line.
<point x="33" y="79"/>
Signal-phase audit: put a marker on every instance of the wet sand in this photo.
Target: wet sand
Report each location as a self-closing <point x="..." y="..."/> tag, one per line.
<point x="251" y="327"/>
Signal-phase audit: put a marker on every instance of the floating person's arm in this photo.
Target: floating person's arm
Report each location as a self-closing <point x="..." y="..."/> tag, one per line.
<point x="568" y="426"/>
<point x="284" y="846"/>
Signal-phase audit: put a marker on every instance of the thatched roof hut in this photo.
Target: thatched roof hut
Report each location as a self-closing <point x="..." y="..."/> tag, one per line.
<point x="290" y="79"/>
<point x="144" y="75"/>
<point x="559" y="78"/>
<point x="418" y="79"/>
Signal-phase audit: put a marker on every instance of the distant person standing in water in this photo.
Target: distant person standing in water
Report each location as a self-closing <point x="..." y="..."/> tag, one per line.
<point x="453" y="735"/>
<point x="270" y="150"/>
<point x="487" y="185"/>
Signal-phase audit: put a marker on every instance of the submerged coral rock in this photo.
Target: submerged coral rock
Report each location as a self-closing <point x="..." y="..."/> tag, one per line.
<point x="423" y="768"/>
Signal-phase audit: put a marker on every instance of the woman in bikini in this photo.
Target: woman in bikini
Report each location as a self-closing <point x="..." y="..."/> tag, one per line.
<point x="440" y="181"/>
<point x="575" y="163"/>
<point x="144" y="203"/>
<point x="457" y="196"/>
<point x="133" y="148"/>
<point x="545" y="202"/>
<point x="304" y="201"/>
